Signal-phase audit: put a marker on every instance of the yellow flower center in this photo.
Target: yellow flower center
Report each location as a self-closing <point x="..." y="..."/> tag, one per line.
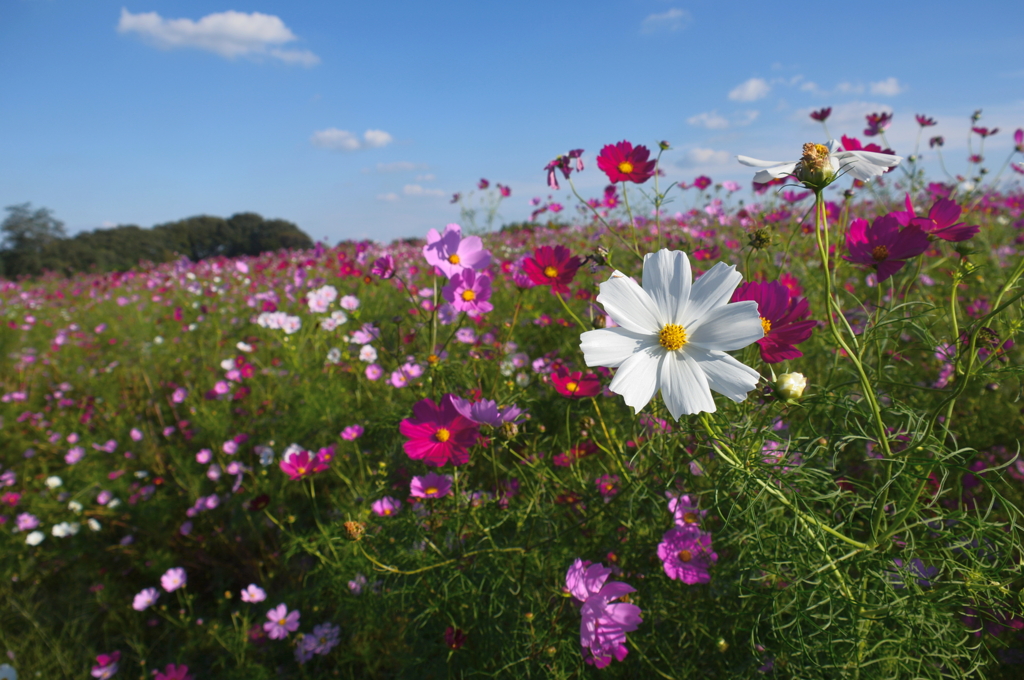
<point x="442" y="435"/>
<point x="302" y="470"/>
<point x="672" y="337"/>
<point x="766" y="325"/>
<point x="430" y="490"/>
<point x="387" y="511"/>
<point x="550" y="272"/>
<point x="685" y="555"/>
<point x="281" y="622"/>
<point x="625" y="167"/>
<point x="433" y="359"/>
<point x="815" y="157"/>
<point x="690" y="517"/>
<point x="571" y="387"/>
<point x="879" y="253"/>
<point x="468" y="295"/>
<point x="454" y="258"/>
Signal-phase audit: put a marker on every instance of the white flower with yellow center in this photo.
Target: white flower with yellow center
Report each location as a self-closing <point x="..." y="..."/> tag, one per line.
<point x="673" y="335"/>
<point x="823" y="163"/>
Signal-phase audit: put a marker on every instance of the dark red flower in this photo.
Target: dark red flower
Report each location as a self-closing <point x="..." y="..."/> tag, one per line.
<point x="924" y="121"/>
<point x="555" y="267"/>
<point x="454" y="638"/>
<point x="937" y="141"/>
<point x="877" y="123"/>
<point x="984" y="132"/>
<point x="821" y="115"/>
<point x="941" y="222"/>
<point x="883" y="245"/>
<point x="576" y="385"/>
<point x="624" y="163"/>
<point x="783" y="317"/>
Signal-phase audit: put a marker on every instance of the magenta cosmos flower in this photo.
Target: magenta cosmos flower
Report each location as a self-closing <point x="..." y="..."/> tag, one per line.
<point x="565" y="164"/>
<point x="624" y="163"/>
<point x="430" y="485"/>
<point x="387" y="506"/>
<point x="173" y="579"/>
<point x="438" y="434"/>
<point x="941" y="222"/>
<point x="783" y="318"/>
<point x="451" y="253"/>
<point x="297" y="463"/>
<point x="281" y="622"/>
<point x="576" y="384"/>
<point x="686" y="554"/>
<point x="883" y="245"/>
<point x="384" y="267"/>
<point x="469" y="292"/>
<point x="173" y="672"/>
<point x="604" y="625"/>
<point x="555" y="267"/>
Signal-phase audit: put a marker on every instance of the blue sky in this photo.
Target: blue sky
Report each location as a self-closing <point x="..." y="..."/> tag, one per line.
<point x="361" y="119"/>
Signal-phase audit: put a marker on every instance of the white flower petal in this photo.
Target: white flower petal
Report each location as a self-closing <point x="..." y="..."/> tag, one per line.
<point x="711" y="290"/>
<point x="864" y="165"/>
<point x="684" y="388"/>
<point x="755" y="163"/>
<point x="611" y="346"/>
<point x="637" y="377"/>
<point x="629" y="305"/>
<point x="667" y="279"/>
<point x="729" y="327"/>
<point x="725" y="374"/>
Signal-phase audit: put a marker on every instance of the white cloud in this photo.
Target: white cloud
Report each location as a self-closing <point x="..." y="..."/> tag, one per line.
<point x="230" y="34"/>
<point x="706" y="157"/>
<point x="849" y="88"/>
<point x="710" y="120"/>
<point x="425" y="178"/>
<point x="752" y="90"/>
<point x="810" y="86"/>
<point x="672" y="20"/>
<point x="890" y="87"/>
<point x="748" y="117"/>
<point x="389" y="197"/>
<point x="400" y="166"/>
<point x="343" y="140"/>
<point x="417" y="190"/>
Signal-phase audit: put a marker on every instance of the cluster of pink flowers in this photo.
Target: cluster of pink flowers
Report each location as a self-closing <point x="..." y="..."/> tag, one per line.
<point x="604" y="623"/>
<point x="297" y="462"/>
<point x="462" y="260"/>
<point x="685" y="550"/>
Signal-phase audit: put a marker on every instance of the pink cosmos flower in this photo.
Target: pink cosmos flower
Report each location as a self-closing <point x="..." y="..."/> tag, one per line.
<point x="685" y="513"/>
<point x="179" y="395"/>
<point x="607" y="486"/>
<point x="564" y="164"/>
<point x="924" y="121"/>
<point x="984" y="131"/>
<point x="576" y="385"/>
<point x="438" y="434"/>
<point x="135" y="434"/>
<point x="386" y="507"/>
<point x="26" y="521"/>
<point x="604" y="625"/>
<point x="941" y="222"/>
<point x="106" y="665"/>
<point x="555" y="267"/>
<point x="702" y="182"/>
<point x="74" y="455"/>
<point x="686" y="555"/>
<point x="145" y="599"/>
<point x="430" y="485"/>
<point x="298" y="463"/>
<point x="281" y="622"/>
<point x="384" y="267"/>
<point x="486" y="411"/>
<point x="504" y="191"/>
<point x="352" y="432"/>
<point x="624" y="163"/>
<point x="253" y="593"/>
<point x="172" y="672"/>
<point x="173" y="579"/>
<point x="884" y="246"/>
<point x="469" y="292"/>
<point x="483" y="184"/>
<point x="1018" y="140"/>
<point x="784" y="319"/>
<point x="877" y="123"/>
<point x="451" y="253"/>
<point x="821" y="115"/>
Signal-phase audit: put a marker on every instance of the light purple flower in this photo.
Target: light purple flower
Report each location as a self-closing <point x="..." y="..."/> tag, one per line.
<point x="173" y="579"/>
<point x="281" y="622"/>
<point x="230" y="447"/>
<point x="451" y="253"/>
<point x="384" y="267"/>
<point x="469" y="292"/>
<point x="324" y="638"/>
<point x="104" y="497"/>
<point x="349" y="302"/>
<point x="26" y="521"/>
<point x="604" y="625"/>
<point x="253" y="593"/>
<point x="204" y="456"/>
<point x="686" y="555"/>
<point x="75" y="454"/>
<point x="135" y="434"/>
<point x="386" y="507"/>
<point x="145" y="599"/>
<point x="486" y="411"/>
<point x="352" y="432"/>
<point x="430" y="485"/>
<point x="179" y="395"/>
<point x="357" y="584"/>
<point x="373" y="372"/>
<point x="685" y="513"/>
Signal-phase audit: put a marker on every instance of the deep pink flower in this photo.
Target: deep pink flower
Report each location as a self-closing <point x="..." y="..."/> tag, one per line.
<point x="504" y="191"/>
<point x="469" y="292"/>
<point x="483" y="184"/>
<point x="384" y="267"/>
<point x="555" y="267"/>
<point x="702" y="182"/>
<point x="385" y="507"/>
<point x="686" y="555"/>
<point x="451" y="253"/>
<point x="821" y="115"/>
<point x="576" y="385"/>
<point x="437" y="434"/>
<point x="924" y="121"/>
<point x="352" y="432"/>
<point x="624" y="163"/>
<point x="783" y="317"/>
<point x="941" y="222"/>
<point x="454" y="638"/>
<point x="430" y="485"/>
<point x="604" y="625"/>
<point x="564" y="164"/>
<point x="883" y="245"/>
<point x="297" y="463"/>
<point x="106" y="665"/>
<point x="172" y="672"/>
<point x="984" y="131"/>
<point x="877" y="123"/>
<point x="1018" y="140"/>
<point x="281" y="623"/>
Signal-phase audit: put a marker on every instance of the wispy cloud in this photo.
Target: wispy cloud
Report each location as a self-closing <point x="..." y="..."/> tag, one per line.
<point x="699" y="157"/>
<point x="751" y="90"/>
<point x="401" y="166"/>
<point x="890" y="87"/>
<point x="417" y="190"/>
<point x="343" y="140"/>
<point x="230" y="34"/>
<point x="711" y="120"/>
<point x="672" y="20"/>
<point x="388" y="198"/>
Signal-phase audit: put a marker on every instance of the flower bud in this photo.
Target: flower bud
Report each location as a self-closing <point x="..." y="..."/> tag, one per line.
<point x="791" y="385"/>
<point x="815" y="166"/>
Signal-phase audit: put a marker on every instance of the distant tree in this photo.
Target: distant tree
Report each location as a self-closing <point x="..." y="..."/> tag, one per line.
<point x="26" y="234"/>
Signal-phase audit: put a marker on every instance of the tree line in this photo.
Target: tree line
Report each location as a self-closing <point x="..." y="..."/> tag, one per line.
<point x="34" y="242"/>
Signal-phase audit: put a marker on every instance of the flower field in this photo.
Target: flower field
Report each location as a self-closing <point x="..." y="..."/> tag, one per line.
<point x="684" y="431"/>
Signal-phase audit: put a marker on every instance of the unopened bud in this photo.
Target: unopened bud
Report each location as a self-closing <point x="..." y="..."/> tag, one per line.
<point x="722" y="646"/>
<point x="791" y="385"/>
<point x="664" y="146"/>
<point x="509" y="430"/>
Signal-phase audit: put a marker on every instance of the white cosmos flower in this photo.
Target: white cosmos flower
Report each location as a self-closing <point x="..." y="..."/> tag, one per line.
<point x="673" y="335"/>
<point x="862" y="165"/>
